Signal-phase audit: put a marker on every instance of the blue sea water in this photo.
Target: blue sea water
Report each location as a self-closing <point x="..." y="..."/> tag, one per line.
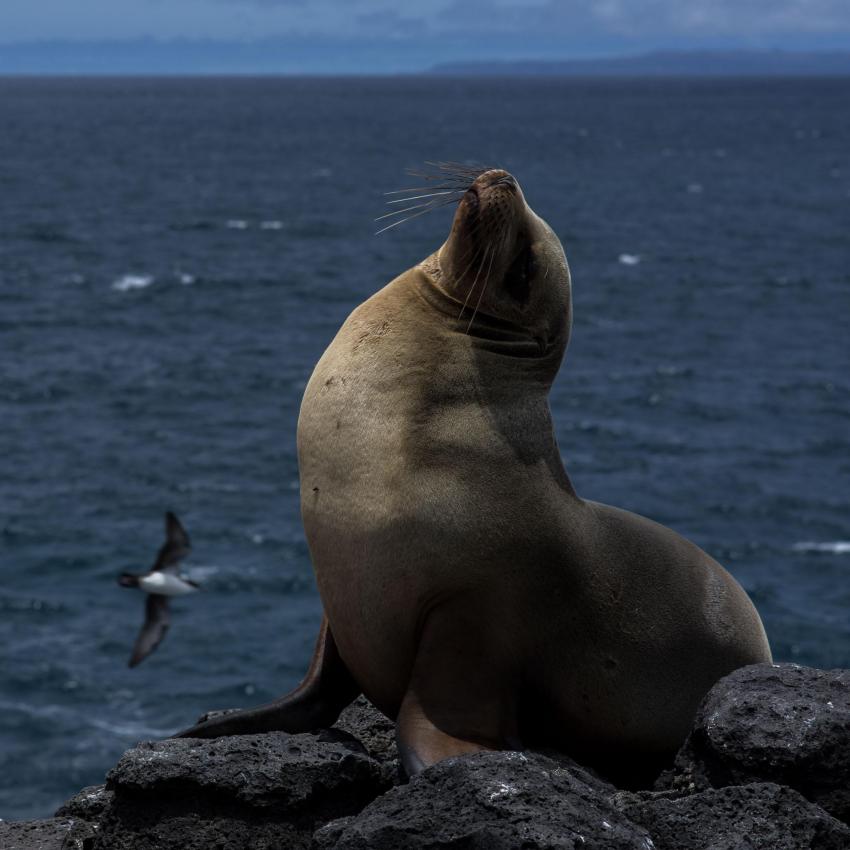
<point x="176" y="254"/>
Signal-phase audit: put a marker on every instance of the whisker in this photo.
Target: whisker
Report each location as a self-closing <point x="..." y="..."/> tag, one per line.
<point x="473" y="232"/>
<point x="451" y="181"/>
<point x="483" y="289"/>
<point x="428" y="208"/>
<point x="474" y="282"/>
<point x="449" y="178"/>
<point x="463" y="275"/>
<point x="419" y="197"/>
<point x="428" y="205"/>
<point x="421" y="189"/>
<point x="459" y="167"/>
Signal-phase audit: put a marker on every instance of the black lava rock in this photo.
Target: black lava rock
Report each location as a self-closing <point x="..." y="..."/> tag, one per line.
<point x="375" y="731"/>
<point x="88" y="804"/>
<point x="768" y="754"/>
<point x="245" y="791"/>
<point x="773" y="723"/>
<point x="52" y="834"/>
<point x="489" y="801"/>
<point x="761" y="816"/>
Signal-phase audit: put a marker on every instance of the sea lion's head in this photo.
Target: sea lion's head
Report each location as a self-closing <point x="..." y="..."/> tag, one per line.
<point x="503" y="262"/>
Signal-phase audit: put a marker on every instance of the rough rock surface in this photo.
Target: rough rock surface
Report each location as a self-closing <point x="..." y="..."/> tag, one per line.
<point x="769" y="751"/>
<point x="773" y="723"/>
<point x="761" y="816"/>
<point x="376" y="732"/>
<point x="245" y="791"/>
<point x="489" y="801"/>
<point x="88" y="804"/>
<point x="60" y="833"/>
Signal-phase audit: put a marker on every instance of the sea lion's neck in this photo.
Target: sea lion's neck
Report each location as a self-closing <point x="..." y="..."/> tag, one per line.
<point x="512" y="377"/>
<point x="537" y="360"/>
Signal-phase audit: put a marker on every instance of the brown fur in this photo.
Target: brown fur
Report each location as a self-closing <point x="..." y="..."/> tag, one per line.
<point x="470" y="592"/>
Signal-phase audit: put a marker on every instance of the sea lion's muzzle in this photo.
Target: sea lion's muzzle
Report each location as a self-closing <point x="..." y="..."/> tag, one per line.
<point x="494" y="195"/>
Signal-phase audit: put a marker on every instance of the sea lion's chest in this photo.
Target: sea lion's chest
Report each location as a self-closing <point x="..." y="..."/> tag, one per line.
<point x="383" y="407"/>
<point x="398" y="418"/>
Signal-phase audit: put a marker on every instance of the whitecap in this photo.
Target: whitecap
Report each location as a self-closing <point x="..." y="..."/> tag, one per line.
<point x="835" y="547"/>
<point x="211" y="486"/>
<point x="136" y="731"/>
<point x="236" y="224"/>
<point x="52" y="712"/>
<point x="132" y="281"/>
<point x="201" y="572"/>
<point x="695" y="188"/>
<point x="186" y="279"/>
<point x="271" y="225"/>
<point x="669" y="370"/>
<point x="629" y="259"/>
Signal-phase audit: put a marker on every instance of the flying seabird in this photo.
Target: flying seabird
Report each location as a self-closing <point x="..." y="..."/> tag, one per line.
<point x="160" y="582"/>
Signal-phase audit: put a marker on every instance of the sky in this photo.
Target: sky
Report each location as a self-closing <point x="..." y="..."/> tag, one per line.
<point x="393" y="35"/>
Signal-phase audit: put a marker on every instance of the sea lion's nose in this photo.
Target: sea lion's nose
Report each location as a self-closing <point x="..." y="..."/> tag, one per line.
<point x="508" y="180"/>
<point x="497" y="177"/>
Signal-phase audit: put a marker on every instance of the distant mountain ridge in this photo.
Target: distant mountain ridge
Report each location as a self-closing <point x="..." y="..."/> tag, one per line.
<point x="294" y="56"/>
<point x="666" y="63"/>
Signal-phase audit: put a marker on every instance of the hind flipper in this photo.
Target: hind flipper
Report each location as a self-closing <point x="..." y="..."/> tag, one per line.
<point x="316" y="703"/>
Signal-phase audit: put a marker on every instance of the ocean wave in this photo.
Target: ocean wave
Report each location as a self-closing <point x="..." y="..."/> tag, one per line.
<point x="236" y="224"/>
<point x="271" y="225"/>
<point x="132" y="281"/>
<point x="84" y="718"/>
<point x="202" y="572"/>
<point x="835" y="547"/>
<point x="208" y="486"/>
<point x="25" y="603"/>
<point x="670" y="370"/>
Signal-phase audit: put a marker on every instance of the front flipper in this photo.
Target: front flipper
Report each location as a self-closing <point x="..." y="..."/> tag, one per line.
<point x="316" y="703"/>
<point x="462" y="693"/>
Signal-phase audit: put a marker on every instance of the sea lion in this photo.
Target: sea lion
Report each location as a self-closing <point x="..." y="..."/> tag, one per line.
<point x="468" y="591"/>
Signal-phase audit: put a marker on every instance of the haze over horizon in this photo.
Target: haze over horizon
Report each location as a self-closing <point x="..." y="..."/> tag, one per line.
<point x="375" y="36"/>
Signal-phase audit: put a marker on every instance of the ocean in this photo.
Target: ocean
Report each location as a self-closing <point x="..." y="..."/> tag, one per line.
<point x="177" y="253"/>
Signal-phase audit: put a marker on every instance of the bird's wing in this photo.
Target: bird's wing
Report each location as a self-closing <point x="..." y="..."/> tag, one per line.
<point x="176" y="546"/>
<point x="154" y="629"/>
